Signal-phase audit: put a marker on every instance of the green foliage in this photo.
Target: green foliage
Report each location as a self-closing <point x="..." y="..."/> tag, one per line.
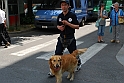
<point x="20" y="28"/>
<point x="27" y="20"/>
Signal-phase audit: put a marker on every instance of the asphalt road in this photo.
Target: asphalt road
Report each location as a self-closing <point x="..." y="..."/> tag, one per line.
<point x="26" y="60"/>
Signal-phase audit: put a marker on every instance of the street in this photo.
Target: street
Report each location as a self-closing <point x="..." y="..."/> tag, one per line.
<point x="26" y="60"/>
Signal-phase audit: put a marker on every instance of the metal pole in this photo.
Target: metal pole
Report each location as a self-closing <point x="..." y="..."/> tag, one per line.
<point x="2" y="4"/>
<point x="7" y="14"/>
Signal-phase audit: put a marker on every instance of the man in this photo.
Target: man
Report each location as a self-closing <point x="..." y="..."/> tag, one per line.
<point x="2" y="26"/>
<point x="67" y="23"/>
<point x="116" y="13"/>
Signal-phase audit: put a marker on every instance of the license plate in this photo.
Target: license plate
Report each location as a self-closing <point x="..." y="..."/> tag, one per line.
<point x="44" y="26"/>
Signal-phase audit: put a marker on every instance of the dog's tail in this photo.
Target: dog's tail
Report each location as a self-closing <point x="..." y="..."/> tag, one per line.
<point x="77" y="52"/>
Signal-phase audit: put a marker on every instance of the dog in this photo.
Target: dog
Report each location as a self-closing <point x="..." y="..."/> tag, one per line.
<point x="68" y="62"/>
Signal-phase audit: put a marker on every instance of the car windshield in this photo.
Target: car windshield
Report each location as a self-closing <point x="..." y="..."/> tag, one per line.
<point x="49" y="4"/>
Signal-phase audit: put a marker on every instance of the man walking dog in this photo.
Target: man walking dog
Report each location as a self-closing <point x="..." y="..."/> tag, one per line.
<point x="67" y="23"/>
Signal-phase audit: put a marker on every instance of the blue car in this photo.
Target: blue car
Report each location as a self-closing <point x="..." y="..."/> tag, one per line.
<point x="47" y="12"/>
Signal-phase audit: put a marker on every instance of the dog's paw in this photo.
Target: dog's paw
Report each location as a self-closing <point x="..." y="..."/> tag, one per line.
<point x="68" y="77"/>
<point x="71" y="79"/>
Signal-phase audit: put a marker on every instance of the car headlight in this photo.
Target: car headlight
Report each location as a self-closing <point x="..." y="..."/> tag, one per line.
<point x="37" y="16"/>
<point x="54" y="17"/>
<point x="78" y="11"/>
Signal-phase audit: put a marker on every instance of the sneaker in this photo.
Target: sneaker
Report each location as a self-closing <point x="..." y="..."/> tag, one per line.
<point x="50" y="74"/>
<point x="112" y="41"/>
<point x="8" y="44"/>
<point x="79" y="65"/>
<point x="78" y="68"/>
<point x="117" y="41"/>
<point x="102" y="41"/>
<point x="98" y="41"/>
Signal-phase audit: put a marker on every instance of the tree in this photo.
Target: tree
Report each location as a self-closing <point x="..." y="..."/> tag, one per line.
<point x="30" y="12"/>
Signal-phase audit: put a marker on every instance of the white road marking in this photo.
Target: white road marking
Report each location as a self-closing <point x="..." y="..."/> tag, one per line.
<point x="46" y="56"/>
<point x="34" y="48"/>
<point x="93" y="50"/>
<point x="120" y="56"/>
<point x="22" y="43"/>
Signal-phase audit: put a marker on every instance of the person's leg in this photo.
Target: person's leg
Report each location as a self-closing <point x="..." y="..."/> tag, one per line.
<point x="102" y="33"/>
<point x="2" y="38"/>
<point x="99" y="33"/>
<point x="114" y="34"/>
<point x="59" y="48"/>
<point x="59" y="51"/>
<point x="72" y="47"/>
<point x="118" y="28"/>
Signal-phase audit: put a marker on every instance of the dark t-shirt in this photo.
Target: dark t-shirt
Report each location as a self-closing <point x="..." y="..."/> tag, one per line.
<point x="71" y="18"/>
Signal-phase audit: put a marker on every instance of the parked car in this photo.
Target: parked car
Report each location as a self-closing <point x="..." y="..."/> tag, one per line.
<point x="47" y="12"/>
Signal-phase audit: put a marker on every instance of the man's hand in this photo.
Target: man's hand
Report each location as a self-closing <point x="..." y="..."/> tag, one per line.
<point x="5" y="26"/>
<point x="120" y="16"/>
<point x="61" y="28"/>
<point x="65" y="22"/>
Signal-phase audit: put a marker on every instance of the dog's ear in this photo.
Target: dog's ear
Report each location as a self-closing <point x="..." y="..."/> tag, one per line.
<point x="50" y="60"/>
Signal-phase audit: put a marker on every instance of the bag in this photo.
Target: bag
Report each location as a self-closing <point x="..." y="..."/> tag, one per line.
<point x="110" y="29"/>
<point x="66" y="42"/>
<point x="97" y="22"/>
<point x="120" y="20"/>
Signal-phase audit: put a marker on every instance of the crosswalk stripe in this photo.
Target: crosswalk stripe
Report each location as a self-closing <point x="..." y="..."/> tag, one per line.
<point x="34" y="48"/>
<point x="120" y="55"/>
<point x="46" y="56"/>
<point x="93" y="50"/>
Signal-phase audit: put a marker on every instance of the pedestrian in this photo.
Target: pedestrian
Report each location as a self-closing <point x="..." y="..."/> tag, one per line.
<point x="2" y="26"/>
<point x="115" y="15"/>
<point x="67" y="23"/>
<point x="102" y="16"/>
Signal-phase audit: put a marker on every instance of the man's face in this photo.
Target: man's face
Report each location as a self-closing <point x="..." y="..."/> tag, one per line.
<point x="64" y="6"/>
<point x="116" y="5"/>
<point x="102" y="6"/>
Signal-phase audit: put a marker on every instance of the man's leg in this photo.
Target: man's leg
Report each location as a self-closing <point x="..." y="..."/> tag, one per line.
<point x="1" y="35"/>
<point x="72" y="47"/>
<point x="59" y="51"/>
<point x="114" y="34"/>
<point x="118" y="33"/>
<point x="59" y="48"/>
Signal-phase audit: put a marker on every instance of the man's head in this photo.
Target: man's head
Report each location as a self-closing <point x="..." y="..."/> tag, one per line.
<point x="102" y="5"/>
<point x="116" y="5"/>
<point x="64" y="5"/>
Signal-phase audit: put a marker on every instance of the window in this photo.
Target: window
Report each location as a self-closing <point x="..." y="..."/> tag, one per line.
<point x="49" y="4"/>
<point x="13" y="9"/>
<point x="12" y="1"/>
<point x="89" y="3"/>
<point x="78" y="3"/>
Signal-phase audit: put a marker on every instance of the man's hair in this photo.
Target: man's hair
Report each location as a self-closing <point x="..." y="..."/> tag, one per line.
<point x="66" y="1"/>
<point x="116" y="3"/>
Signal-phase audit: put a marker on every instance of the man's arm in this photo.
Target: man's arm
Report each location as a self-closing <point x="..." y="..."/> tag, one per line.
<point x="74" y="26"/>
<point x="61" y="28"/>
